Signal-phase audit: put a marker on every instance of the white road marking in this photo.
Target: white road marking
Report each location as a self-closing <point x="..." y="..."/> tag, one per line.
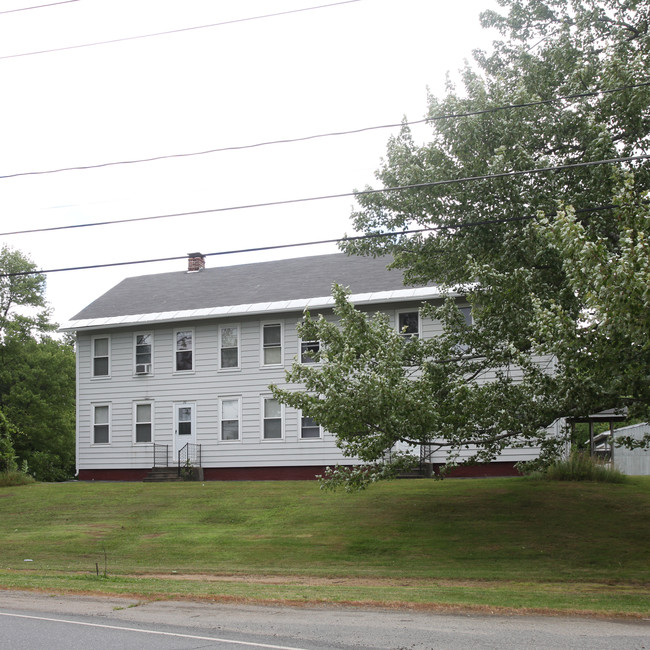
<point x="175" y="634"/>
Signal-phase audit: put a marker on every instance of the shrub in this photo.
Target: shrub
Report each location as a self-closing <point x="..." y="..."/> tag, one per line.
<point x="47" y="466"/>
<point x="15" y="477"/>
<point x="7" y="456"/>
<point x="581" y="467"/>
<point x="7" y="451"/>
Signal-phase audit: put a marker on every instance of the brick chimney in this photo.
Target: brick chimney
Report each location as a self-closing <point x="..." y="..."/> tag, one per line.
<point x="195" y="262"/>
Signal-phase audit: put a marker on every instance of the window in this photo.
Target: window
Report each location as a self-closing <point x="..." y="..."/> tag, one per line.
<point x="143" y="354"/>
<point x="144" y="422"/>
<point x="309" y="428"/>
<point x="184" y="350"/>
<point x="229" y="346"/>
<point x="230" y="418"/>
<point x="308" y="351"/>
<point x="272" y="419"/>
<point x="467" y="315"/>
<point x="101" y="424"/>
<point x="101" y="348"/>
<point x="408" y="324"/>
<point x="272" y="344"/>
<point x="185" y="419"/>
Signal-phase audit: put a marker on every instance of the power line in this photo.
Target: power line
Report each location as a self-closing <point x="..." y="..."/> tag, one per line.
<point x="443" y="116"/>
<point x="257" y="249"/>
<point x="267" y="204"/>
<point x="177" y="31"/>
<point x="51" y="4"/>
<point x="219" y="149"/>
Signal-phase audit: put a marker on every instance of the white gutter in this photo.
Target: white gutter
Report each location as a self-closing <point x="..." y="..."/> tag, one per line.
<point x="252" y="309"/>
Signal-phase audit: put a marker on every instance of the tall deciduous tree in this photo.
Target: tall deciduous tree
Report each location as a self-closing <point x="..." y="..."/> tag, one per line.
<point x="7" y="452"/>
<point x="23" y="311"/>
<point x="554" y="261"/>
<point x="375" y="387"/>
<point x="596" y="53"/>
<point x="605" y="349"/>
<point x="37" y="374"/>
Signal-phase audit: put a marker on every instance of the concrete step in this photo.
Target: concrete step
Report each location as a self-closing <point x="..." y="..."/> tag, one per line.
<point x="163" y="474"/>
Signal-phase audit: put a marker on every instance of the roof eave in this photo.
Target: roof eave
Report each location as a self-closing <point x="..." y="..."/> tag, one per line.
<point x="254" y="309"/>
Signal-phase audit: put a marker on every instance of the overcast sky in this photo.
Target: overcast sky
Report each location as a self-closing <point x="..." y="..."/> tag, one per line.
<point x="343" y="67"/>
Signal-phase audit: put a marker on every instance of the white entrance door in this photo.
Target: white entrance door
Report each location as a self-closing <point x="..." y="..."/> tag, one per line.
<point x="184" y="425"/>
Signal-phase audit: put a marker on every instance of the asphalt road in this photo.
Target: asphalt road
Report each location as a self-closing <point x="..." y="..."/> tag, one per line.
<point x="35" y="621"/>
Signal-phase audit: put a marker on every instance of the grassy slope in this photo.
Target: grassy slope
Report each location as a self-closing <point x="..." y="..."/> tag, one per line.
<point x="501" y="542"/>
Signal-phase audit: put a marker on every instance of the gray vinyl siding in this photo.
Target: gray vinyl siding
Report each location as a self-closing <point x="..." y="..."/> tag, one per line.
<point x="635" y="462"/>
<point x="508" y="454"/>
<point x="203" y="387"/>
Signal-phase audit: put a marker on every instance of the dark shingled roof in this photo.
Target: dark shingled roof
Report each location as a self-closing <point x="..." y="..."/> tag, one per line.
<point x="302" y="277"/>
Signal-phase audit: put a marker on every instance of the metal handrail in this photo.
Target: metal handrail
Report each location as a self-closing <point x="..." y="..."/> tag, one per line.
<point x="160" y="455"/>
<point x="189" y="456"/>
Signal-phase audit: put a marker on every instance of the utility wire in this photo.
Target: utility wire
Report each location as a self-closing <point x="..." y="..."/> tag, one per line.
<point x="257" y="249"/>
<point x="221" y="149"/>
<point x="51" y="4"/>
<point x="177" y="31"/>
<point x="443" y="116"/>
<point x="414" y="186"/>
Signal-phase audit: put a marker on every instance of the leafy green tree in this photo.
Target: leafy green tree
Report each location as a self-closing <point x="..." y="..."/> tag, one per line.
<point x="23" y="311"/>
<point x="37" y="374"/>
<point x="37" y="389"/>
<point x="553" y="262"/>
<point x="376" y="387"/>
<point x="514" y="270"/>
<point x="7" y="451"/>
<point x="607" y="347"/>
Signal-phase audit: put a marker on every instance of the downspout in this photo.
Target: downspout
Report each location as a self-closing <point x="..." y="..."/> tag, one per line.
<point x="76" y="443"/>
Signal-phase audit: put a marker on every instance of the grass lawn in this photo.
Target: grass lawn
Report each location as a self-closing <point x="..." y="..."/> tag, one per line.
<point x="511" y="543"/>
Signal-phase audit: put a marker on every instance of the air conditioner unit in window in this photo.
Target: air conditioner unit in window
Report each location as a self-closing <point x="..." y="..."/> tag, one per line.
<point x="142" y="368"/>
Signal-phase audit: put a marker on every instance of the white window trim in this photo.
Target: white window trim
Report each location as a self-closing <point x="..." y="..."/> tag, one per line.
<point x="135" y="421"/>
<point x="320" y="429"/>
<point x="281" y="362"/>
<point x="263" y="419"/>
<point x="135" y="356"/>
<point x="92" y="357"/>
<point x="311" y="361"/>
<point x="174" y="351"/>
<point x="93" y="407"/>
<point x="222" y="399"/>
<point x="408" y="311"/>
<point x="236" y="368"/>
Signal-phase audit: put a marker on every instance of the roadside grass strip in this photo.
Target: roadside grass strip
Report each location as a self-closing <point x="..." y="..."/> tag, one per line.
<point x="502" y="544"/>
<point x="595" y="599"/>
